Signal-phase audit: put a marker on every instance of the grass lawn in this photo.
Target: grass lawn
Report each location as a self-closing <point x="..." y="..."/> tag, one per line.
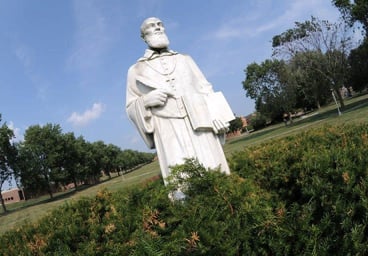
<point x="356" y="111"/>
<point x="34" y="209"/>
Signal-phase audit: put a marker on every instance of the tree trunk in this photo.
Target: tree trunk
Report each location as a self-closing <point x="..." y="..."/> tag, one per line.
<point x="49" y="190"/>
<point x="340" y="98"/>
<point x="48" y="186"/>
<point x="2" y="203"/>
<point x="75" y="184"/>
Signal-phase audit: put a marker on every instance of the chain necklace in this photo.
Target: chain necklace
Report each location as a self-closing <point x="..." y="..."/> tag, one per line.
<point x="168" y="73"/>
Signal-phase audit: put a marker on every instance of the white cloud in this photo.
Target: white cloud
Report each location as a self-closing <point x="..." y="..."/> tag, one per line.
<point x="16" y="131"/>
<point x="88" y="115"/>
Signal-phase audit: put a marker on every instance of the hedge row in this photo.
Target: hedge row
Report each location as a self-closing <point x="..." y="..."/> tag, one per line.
<point x="300" y="195"/>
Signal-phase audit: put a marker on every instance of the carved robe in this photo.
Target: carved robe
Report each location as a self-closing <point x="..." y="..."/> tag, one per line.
<point x="168" y="128"/>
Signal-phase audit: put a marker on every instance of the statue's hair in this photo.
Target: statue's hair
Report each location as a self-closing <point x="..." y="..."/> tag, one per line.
<point x="143" y="26"/>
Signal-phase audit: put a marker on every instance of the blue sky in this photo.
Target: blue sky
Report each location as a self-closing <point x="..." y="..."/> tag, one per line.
<point x="65" y="62"/>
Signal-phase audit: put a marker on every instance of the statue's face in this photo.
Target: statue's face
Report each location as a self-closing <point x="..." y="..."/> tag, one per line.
<point x="153" y="33"/>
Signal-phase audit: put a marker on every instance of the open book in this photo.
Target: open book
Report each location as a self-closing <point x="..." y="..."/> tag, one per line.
<point x="202" y="109"/>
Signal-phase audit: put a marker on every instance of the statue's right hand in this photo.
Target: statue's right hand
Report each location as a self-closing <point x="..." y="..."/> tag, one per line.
<point x="155" y="98"/>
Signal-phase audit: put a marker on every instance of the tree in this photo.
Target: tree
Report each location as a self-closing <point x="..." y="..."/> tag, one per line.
<point x="236" y="125"/>
<point x="27" y="171"/>
<point x="128" y="159"/>
<point x="313" y="89"/>
<point x="43" y="149"/>
<point x="101" y="158"/>
<point x="7" y="157"/>
<point x="332" y="40"/>
<point x="354" y="11"/>
<point x="70" y="170"/>
<point x="89" y="161"/>
<point x="83" y="172"/>
<point x="111" y="153"/>
<point x="132" y="158"/>
<point x="272" y="88"/>
<point x="258" y="121"/>
<point x="358" y="60"/>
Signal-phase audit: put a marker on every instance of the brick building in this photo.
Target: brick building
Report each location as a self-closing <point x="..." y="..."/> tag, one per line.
<point x="13" y="195"/>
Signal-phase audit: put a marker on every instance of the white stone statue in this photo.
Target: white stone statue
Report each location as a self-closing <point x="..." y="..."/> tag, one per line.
<point x="174" y="107"/>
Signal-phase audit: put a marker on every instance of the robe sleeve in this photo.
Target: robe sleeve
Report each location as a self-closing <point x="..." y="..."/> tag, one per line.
<point x="137" y="112"/>
<point x="205" y="87"/>
<point x="201" y="82"/>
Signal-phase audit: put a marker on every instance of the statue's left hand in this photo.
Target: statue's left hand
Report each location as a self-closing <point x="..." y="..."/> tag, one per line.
<point x="220" y="127"/>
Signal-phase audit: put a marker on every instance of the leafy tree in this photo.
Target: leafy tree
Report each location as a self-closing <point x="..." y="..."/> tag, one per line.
<point x="148" y="157"/>
<point x="122" y="162"/>
<point x="83" y="170"/>
<point x="90" y="161"/>
<point x="312" y="88"/>
<point x="100" y="157"/>
<point x="27" y="171"/>
<point x="111" y="163"/>
<point x="236" y="125"/>
<point x="332" y="40"/>
<point x="70" y="169"/>
<point x="271" y="86"/>
<point x="129" y="159"/>
<point x="7" y="157"/>
<point x="358" y="60"/>
<point x="354" y="11"/>
<point x="258" y="121"/>
<point x="43" y="149"/>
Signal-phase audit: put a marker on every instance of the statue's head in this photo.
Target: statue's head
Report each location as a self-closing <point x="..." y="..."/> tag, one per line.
<point x="153" y="33"/>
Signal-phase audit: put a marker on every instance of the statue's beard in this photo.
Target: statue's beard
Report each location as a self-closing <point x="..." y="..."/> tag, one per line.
<point x="158" y="41"/>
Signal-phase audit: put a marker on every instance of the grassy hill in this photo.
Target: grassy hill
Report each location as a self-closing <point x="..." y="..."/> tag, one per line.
<point x="356" y="112"/>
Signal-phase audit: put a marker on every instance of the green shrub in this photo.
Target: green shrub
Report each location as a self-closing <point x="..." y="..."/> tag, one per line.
<point x="321" y="178"/>
<point x="221" y="215"/>
<point x="258" y="122"/>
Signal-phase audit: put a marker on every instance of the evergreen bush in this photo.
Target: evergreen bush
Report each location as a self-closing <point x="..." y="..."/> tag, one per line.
<point x="321" y="178"/>
<point x="221" y="215"/>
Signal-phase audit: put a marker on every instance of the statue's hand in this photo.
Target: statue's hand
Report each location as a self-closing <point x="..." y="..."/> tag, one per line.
<point x="220" y="127"/>
<point x="155" y="98"/>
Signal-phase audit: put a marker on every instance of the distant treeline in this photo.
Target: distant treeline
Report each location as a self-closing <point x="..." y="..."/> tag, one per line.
<point x="48" y="160"/>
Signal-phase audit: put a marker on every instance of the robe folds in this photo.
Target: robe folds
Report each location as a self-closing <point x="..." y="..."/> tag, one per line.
<point x="168" y="128"/>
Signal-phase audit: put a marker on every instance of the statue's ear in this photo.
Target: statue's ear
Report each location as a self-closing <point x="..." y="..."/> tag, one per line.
<point x="143" y="37"/>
